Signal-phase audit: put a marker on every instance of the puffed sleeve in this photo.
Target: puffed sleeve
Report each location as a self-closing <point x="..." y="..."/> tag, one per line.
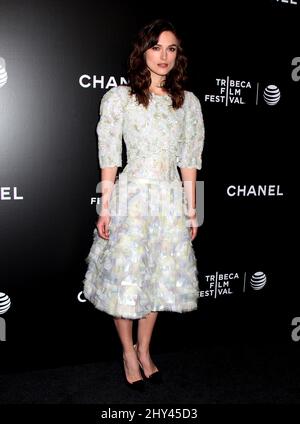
<point x="109" y="129"/>
<point x="190" y="155"/>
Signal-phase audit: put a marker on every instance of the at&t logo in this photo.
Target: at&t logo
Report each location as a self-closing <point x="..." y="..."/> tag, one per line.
<point x="4" y="307"/>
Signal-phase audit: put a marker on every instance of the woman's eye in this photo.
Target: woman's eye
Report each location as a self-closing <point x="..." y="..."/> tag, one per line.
<point x="173" y="49"/>
<point x="155" y="48"/>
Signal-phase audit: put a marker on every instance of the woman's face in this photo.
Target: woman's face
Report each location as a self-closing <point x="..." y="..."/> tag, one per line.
<point x="160" y="59"/>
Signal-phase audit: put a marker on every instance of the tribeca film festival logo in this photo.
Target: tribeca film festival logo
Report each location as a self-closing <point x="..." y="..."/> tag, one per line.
<point x="4" y="307"/>
<point x="102" y="81"/>
<point x="3" y="73"/>
<point x="219" y="284"/>
<point x="231" y="91"/>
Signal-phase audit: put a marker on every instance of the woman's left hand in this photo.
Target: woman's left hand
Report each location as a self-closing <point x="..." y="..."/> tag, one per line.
<point x="193" y="224"/>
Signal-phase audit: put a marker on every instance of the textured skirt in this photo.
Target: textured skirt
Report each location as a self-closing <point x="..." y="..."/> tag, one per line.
<point x="148" y="263"/>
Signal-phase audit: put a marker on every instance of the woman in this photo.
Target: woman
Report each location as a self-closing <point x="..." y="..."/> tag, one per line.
<point x="141" y="263"/>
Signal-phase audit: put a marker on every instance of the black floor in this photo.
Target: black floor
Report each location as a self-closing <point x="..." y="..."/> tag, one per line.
<point x="200" y="375"/>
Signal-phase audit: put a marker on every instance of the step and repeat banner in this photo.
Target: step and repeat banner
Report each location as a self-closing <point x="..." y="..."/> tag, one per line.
<point x="57" y="60"/>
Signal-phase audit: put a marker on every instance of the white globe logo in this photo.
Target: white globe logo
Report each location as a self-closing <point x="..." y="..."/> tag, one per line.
<point x="4" y="303"/>
<point x="271" y="95"/>
<point x="258" y="280"/>
<point x="3" y="73"/>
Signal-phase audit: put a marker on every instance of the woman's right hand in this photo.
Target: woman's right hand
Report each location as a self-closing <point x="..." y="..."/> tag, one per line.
<point x="103" y="224"/>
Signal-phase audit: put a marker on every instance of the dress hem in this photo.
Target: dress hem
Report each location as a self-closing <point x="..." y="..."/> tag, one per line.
<point x="154" y="309"/>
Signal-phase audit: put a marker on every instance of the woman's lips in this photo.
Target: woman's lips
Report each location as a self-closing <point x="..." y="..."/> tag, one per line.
<point x="162" y="65"/>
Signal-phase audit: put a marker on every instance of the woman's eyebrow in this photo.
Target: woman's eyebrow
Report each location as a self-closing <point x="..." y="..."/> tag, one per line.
<point x="171" y="45"/>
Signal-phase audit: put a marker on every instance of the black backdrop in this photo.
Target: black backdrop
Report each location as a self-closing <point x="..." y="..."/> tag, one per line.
<point x="59" y="59"/>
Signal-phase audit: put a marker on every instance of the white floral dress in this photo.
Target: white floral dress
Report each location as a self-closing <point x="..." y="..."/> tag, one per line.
<point x="148" y="263"/>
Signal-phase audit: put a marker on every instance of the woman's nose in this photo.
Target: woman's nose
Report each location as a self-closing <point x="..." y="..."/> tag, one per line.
<point x="163" y="54"/>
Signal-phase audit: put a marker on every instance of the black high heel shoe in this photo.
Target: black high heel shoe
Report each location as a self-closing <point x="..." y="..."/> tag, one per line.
<point x="138" y="385"/>
<point x="155" y="378"/>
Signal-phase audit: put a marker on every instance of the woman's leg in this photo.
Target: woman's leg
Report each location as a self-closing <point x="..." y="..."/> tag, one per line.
<point x="131" y="365"/>
<point x="144" y="334"/>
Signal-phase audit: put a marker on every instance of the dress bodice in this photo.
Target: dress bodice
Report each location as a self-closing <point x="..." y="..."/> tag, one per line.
<point x="158" y="138"/>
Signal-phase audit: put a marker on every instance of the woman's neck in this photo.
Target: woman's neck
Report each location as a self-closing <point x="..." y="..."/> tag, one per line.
<point x="156" y="90"/>
<point x="157" y="86"/>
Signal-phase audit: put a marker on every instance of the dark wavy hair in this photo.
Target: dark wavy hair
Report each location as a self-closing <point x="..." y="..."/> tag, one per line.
<point x="138" y="73"/>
